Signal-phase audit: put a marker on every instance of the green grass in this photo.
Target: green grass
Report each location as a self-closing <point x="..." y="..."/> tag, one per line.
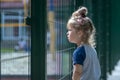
<point x="6" y="50"/>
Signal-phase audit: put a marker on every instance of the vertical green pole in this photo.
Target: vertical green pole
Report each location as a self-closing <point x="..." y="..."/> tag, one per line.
<point x="115" y="32"/>
<point x="100" y="16"/>
<point x="101" y="36"/>
<point x="108" y="25"/>
<point x="0" y="32"/>
<point x="38" y="40"/>
<point x="0" y="43"/>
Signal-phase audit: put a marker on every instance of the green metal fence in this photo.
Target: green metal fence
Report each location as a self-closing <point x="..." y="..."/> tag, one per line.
<point x="102" y="14"/>
<point x="15" y="57"/>
<point x="59" y="50"/>
<point x="51" y="53"/>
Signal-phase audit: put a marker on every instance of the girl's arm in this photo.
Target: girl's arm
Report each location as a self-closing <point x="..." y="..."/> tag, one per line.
<point x="77" y="70"/>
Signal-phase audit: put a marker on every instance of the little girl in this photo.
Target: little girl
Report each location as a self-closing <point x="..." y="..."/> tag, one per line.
<point x="81" y="32"/>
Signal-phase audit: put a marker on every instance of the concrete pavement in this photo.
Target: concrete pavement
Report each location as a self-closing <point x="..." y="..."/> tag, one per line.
<point x="115" y="73"/>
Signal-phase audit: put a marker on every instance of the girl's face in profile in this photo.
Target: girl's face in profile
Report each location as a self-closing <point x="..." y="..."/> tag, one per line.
<point x="73" y="35"/>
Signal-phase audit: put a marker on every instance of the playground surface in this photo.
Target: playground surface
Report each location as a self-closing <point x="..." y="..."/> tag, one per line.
<point x="19" y="64"/>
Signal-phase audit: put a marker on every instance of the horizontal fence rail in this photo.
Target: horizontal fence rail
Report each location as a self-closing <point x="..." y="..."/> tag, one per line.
<point x="13" y="58"/>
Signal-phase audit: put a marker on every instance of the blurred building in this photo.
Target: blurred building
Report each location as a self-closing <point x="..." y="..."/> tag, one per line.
<point x="12" y="19"/>
<point x="12" y="22"/>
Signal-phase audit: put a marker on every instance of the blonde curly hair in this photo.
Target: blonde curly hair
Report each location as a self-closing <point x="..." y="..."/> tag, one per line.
<point x="80" y="21"/>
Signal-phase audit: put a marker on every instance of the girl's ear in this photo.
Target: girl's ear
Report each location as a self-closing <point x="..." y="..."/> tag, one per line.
<point x="80" y="33"/>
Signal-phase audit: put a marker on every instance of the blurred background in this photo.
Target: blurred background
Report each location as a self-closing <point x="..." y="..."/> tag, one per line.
<point x="17" y="46"/>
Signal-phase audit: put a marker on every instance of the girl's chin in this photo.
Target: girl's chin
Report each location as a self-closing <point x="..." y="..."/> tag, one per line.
<point x="71" y="41"/>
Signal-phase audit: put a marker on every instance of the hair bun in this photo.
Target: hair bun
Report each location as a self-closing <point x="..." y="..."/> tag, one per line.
<point x="82" y="11"/>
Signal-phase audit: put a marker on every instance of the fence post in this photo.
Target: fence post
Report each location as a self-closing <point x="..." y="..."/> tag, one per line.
<point x="38" y="40"/>
<point x="0" y="44"/>
<point x="102" y="45"/>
